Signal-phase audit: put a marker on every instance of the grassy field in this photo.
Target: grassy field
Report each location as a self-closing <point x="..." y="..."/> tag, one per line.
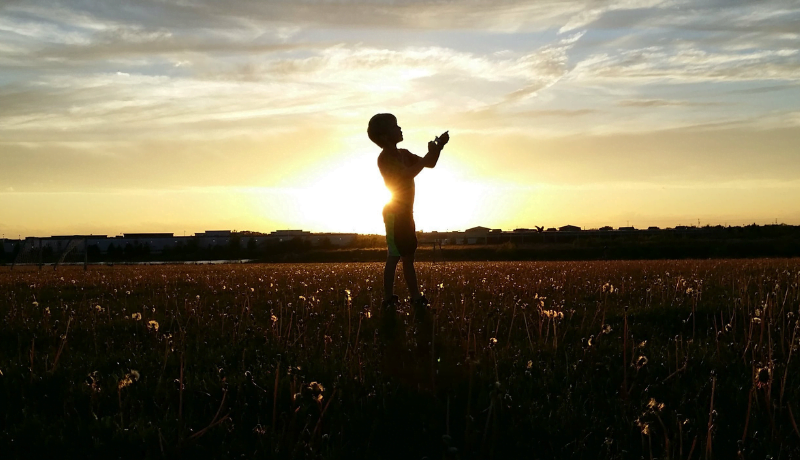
<point x="540" y="360"/>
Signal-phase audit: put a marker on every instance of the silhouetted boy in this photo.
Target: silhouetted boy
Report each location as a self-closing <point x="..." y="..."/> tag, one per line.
<point x="398" y="168"/>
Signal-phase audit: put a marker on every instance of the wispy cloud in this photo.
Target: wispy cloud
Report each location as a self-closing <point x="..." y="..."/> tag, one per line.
<point x="661" y="103"/>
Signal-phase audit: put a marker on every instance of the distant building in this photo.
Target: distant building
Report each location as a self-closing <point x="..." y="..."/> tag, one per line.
<point x="138" y="236"/>
<point x="289" y="233"/>
<point x="627" y="229"/>
<point x="569" y="228"/>
<point x="653" y="228"/>
<point x="607" y="228"/>
<point x="334" y="239"/>
<point x="476" y="235"/>
<point x="214" y="234"/>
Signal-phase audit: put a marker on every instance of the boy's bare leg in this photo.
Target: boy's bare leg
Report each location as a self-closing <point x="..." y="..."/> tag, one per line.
<point x="388" y="276"/>
<point x="411" y="277"/>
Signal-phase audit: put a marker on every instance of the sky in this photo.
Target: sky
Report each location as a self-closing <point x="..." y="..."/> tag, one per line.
<point x="183" y="116"/>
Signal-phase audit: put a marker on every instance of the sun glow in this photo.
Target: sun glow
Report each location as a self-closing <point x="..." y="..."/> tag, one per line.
<point x="347" y="199"/>
<point x="350" y="198"/>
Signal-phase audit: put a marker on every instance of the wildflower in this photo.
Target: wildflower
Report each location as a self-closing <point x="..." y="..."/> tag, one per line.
<point x="642" y="343"/>
<point x="654" y="405"/>
<point x="92" y="382"/>
<point x="530" y="364"/>
<point x="758" y="312"/>
<point x="643" y="426"/>
<point x="274" y="318"/>
<point x="136" y="316"/>
<point x="98" y="308"/>
<point x="763" y="376"/>
<point x="689" y="290"/>
<point x="316" y="390"/>
<point x="124" y="382"/>
<point x="492" y="342"/>
<point x="135" y="375"/>
<point x="197" y="297"/>
<point x="756" y="320"/>
<point x="128" y="292"/>
<point x="641" y="361"/>
<point x="607" y="329"/>
<point x="152" y="325"/>
<point x="47" y="310"/>
<point x="302" y="297"/>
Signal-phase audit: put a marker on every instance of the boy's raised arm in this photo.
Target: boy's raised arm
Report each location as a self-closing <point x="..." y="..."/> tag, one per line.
<point x="428" y="161"/>
<point x="431" y="158"/>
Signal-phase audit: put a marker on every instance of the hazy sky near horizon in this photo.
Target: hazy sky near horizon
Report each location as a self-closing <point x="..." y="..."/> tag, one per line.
<point x="171" y="116"/>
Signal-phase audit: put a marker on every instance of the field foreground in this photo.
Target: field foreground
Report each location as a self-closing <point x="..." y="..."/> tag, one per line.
<point x="541" y="360"/>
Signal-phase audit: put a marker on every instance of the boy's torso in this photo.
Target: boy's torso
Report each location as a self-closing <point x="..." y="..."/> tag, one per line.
<point x="402" y="187"/>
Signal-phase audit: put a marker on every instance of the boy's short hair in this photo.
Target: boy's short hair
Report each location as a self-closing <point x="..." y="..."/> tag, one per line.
<point x="379" y="126"/>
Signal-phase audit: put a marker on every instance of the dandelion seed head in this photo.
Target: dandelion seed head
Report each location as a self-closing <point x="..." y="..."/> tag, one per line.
<point x="763" y="376"/>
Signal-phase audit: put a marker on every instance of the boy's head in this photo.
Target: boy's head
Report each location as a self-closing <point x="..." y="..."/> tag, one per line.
<point x="383" y="130"/>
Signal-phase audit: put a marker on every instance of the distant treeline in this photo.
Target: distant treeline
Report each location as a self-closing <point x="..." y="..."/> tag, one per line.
<point x="701" y="243"/>
<point x="238" y="247"/>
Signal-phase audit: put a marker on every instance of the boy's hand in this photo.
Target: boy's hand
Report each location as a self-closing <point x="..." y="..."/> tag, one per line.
<point x="442" y="140"/>
<point x="438" y="144"/>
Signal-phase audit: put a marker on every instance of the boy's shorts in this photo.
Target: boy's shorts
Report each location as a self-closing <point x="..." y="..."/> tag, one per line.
<point x="401" y="233"/>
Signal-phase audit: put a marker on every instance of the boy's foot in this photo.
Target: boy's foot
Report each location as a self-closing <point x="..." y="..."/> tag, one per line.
<point x="421" y="307"/>
<point x="390" y="303"/>
<point x="388" y="326"/>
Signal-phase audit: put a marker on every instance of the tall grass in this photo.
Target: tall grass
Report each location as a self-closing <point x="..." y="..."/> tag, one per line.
<point x="666" y="359"/>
